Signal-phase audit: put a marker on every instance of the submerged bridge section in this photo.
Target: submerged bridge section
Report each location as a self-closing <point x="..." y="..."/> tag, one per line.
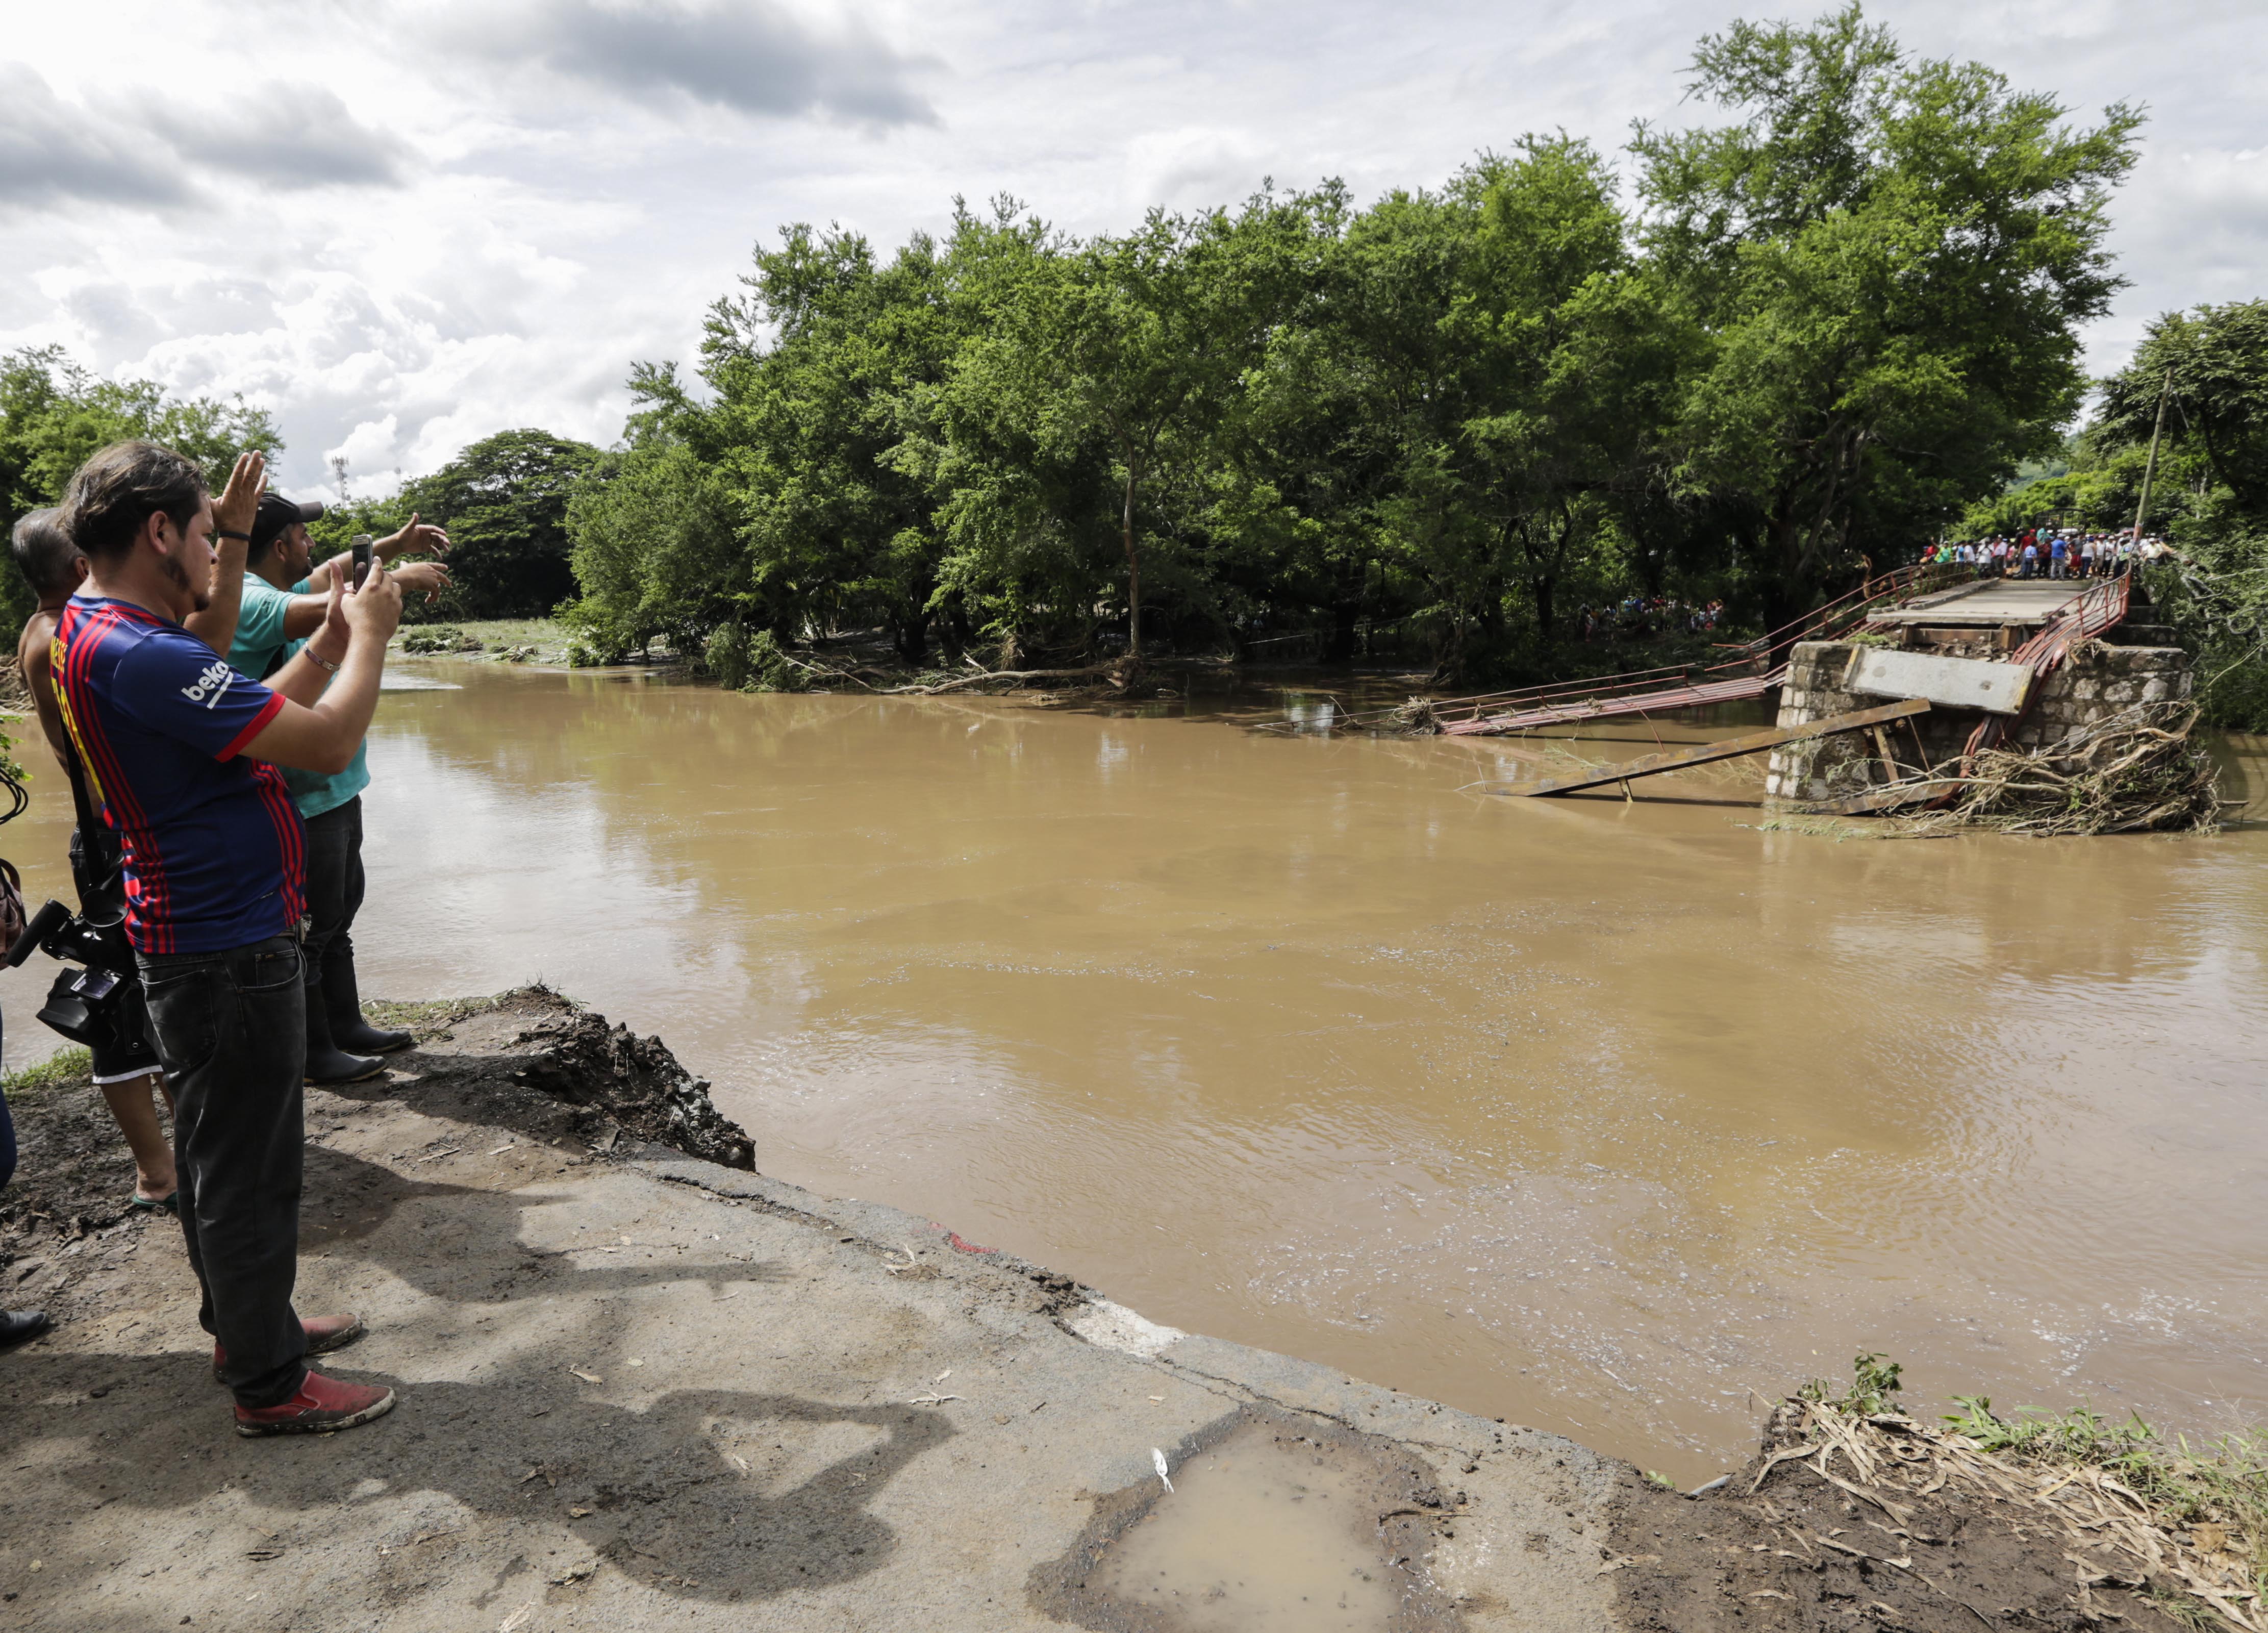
<point x="1998" y="616"/>
<point x="1749" y="670"/>
<point x="1989" y="648"/>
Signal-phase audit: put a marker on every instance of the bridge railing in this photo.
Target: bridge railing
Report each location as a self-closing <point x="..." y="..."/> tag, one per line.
<point x="1845" y="612"/>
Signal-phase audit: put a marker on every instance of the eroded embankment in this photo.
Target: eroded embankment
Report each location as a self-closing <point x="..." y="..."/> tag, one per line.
<point x="645" y="1387"/>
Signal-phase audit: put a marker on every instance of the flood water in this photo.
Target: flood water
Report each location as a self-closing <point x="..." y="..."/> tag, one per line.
<point x="1611" y="1118"/>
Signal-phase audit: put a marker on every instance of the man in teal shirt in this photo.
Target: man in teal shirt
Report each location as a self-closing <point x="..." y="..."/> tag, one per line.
<point x="284" y="603"/>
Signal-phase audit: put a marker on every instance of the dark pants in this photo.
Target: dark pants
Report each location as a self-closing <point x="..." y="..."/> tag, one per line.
<point x="7" y="1143"/>
<point x="231" y="1028"/>
<point x="335" y="884"/>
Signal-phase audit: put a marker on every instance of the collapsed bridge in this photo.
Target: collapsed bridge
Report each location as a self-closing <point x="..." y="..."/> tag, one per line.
<point x="1912" y="661"/>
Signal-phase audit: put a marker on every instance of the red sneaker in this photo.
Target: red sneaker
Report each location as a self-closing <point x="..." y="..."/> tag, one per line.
<point x="325" y="1334"/>
<point x="323" y="1406"/>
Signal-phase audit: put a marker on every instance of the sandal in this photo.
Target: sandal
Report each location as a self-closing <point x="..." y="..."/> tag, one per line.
<point x="168" y="1204"/>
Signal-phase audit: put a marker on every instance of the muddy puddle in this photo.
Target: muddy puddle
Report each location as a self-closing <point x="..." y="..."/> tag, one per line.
<point x="1274" y="1527"/>
<point x="1605" y="1117"/>
<point x="1259" y="1539"/>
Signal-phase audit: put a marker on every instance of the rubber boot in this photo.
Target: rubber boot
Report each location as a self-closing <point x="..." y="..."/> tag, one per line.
<point x="343" y="1004"/>
<point x="328" y="1064"/>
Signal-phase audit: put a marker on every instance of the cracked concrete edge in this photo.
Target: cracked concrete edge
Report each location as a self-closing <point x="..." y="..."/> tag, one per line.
<point x="1263" y="1376"/>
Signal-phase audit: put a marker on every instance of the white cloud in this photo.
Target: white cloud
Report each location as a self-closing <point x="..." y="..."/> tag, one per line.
<point x="410" y="223"/>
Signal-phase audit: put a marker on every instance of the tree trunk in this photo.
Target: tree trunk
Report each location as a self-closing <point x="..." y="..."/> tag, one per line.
<point x="1786" y="597"/>
<point x="1133" y="569"/>
<point x="1546" y="618"/>
<point x="952" y="631"/>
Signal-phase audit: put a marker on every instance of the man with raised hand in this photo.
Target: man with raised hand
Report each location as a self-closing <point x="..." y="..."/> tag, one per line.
<point x="182" y="753"/>
<point x="280" y="613"/>
<point x="126" y="1068"/>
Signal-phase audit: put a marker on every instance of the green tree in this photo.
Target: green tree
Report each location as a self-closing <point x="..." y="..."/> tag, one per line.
<point x="1836" y="321"/>
<point x="656" y="549"/>
<point x="1890" y="258"/>
<point x="2210" y="368"/>
<point x="813" y="370"/>
<point x="53" y="414"/>
<point x="1116" y="361"/>
<point x="504" y="501"/>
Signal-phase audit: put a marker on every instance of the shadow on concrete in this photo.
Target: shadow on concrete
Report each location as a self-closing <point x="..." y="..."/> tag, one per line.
<point x="715" y="1494"/>
<point x="346" y="1202"/>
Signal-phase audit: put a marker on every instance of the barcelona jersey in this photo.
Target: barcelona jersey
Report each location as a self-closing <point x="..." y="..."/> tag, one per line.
<point x="216" y="858"/>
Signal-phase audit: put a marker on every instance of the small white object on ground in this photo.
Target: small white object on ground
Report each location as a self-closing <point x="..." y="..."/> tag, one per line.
<point x="1158" y="1459"/>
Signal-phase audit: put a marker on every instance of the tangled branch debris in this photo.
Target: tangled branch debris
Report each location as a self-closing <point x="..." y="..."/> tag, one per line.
<point x="1419" y="718"/>
<point x="2139" y="770"/>
<point x="2186" y="1527"/>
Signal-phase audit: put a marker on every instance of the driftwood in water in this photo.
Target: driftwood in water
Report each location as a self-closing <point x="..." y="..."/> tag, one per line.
<point x="1119" y="674"/>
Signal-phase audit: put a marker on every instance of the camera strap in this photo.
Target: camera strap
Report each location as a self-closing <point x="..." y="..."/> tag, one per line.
<point x="99" y="866"/>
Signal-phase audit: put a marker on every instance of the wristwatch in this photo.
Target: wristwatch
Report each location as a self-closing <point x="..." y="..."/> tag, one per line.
<point x="321" y="662"/>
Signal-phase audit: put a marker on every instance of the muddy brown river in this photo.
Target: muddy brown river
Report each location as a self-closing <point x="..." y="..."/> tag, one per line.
<point x="1612" y="1118"/>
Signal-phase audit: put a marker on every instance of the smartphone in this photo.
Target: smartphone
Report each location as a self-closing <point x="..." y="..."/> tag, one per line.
<point x="363" y="546"/>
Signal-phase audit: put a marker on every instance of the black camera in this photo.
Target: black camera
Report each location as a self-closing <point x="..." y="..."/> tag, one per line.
<point x="80" y="1001"/>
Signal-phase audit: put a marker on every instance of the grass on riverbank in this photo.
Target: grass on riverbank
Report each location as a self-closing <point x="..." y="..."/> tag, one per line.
<point x="537" y="640"/>
<point x="2186" y="1525"/>
<point x="63" y="1067"/>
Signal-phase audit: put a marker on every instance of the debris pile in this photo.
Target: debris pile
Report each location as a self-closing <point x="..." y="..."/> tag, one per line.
<point x="1419" y="717"/>
<point x="2184" y="1528"/>
<point x="2141" y="770"/>
<point x="636" y="1081"/>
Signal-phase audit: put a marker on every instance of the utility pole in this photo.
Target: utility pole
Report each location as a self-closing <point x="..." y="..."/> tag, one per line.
<point x="2150" y="470"/>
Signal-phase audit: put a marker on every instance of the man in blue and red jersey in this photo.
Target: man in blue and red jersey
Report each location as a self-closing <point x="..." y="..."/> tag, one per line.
<point x="182" y="753"/>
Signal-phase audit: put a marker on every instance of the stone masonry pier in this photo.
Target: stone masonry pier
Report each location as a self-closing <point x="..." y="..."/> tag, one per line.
<point x="2095" y="683"/>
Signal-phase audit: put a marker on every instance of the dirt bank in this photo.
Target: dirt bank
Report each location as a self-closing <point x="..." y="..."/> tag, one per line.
<point x="649" y="1389"/>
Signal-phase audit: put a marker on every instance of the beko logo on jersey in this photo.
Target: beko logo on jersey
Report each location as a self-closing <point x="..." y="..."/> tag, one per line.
<point x="211" y="686"/>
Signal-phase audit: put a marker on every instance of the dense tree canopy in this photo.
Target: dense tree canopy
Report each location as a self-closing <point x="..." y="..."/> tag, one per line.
<point x="504" y="501"/>
<point x="2198" y="386"/>
<point x="2204" y="375"/>
<point x="53" y="413"/>
<point x="1830" y="323"/>
<point x="1889" y="259"/>
<point x="1745" y="360"/>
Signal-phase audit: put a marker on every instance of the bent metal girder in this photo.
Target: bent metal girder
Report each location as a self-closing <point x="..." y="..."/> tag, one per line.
<point x="1729" y="748"/>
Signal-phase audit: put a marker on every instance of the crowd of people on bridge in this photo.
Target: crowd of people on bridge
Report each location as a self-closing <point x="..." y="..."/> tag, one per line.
<point x="2048" y="553"/>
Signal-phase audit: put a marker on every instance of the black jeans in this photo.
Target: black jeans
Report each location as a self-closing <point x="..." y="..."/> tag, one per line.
<point x="335" y="885"/>
<point x="231" y="1030"/>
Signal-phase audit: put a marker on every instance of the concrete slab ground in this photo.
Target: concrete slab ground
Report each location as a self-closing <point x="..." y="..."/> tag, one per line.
<point x="642" y="1391"/>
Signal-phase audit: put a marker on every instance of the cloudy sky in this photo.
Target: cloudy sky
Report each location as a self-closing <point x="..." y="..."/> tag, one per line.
<point x="401" y="225"/>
